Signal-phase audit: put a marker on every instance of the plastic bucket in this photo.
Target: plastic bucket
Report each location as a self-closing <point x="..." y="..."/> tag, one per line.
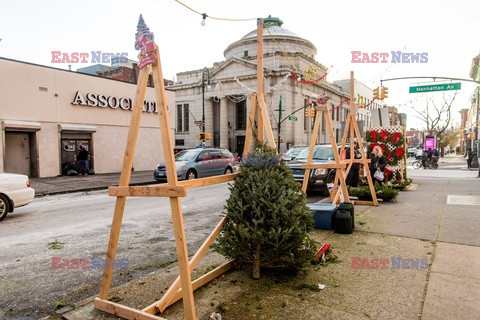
<point x="330" y="188"/>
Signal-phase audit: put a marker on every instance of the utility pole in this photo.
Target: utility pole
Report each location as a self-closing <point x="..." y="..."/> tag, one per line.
<point x="279" y="123"/>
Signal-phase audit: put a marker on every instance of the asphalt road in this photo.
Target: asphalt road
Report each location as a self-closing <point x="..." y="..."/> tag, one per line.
<point x="77" y="226"/>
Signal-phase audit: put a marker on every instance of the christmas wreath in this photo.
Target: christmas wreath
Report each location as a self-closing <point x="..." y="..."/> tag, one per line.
<point x="392" y="144"/>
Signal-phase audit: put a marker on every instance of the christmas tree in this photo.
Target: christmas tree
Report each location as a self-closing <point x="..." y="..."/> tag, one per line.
<point x="268" y="218"/>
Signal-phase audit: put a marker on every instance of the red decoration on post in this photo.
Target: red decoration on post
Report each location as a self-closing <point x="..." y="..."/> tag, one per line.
<point x="144" y="43"/>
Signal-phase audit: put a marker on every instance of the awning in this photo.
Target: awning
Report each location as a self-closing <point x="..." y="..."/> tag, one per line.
<point x="14" y="125"/>
<point x="76" y="127"/>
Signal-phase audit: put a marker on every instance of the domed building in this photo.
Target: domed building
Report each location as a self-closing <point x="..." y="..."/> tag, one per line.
<point x="222" y="92"/>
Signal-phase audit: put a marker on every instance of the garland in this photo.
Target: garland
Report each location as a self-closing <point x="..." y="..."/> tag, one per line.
<point x="294" y="76"/>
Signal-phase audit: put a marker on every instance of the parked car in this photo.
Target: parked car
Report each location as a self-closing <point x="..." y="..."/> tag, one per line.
<point x="15" y="191"/>
<point x="292" y="153"/>
<point x="318" y="177"/>
<point x="199" y="163"/>
<point x="412" y="152"/>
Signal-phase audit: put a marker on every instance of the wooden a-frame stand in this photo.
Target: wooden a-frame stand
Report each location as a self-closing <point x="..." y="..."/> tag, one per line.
<point x="351" y="131"/>
<point x="182" y="287"/>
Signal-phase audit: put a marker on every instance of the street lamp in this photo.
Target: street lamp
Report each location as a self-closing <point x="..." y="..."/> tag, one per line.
<point x="205" y="76"/>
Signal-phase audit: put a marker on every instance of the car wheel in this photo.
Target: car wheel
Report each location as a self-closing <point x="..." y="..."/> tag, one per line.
<point x="228" y="170"/>
<point x="191" y="175"/>
<point x="4" y="207"/>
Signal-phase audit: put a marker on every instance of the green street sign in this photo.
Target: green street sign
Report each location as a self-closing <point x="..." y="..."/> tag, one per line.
<point x="436" y="87"/>
<point x="292" y="118"/>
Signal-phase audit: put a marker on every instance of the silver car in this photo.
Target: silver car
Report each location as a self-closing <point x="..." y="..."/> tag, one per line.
<point x="199" y="163"/>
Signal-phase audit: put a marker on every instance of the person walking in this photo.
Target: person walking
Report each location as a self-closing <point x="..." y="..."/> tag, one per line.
<point x="377" y="163"/>
<point x="470" y="156"/>
<point x="82" y="158"/>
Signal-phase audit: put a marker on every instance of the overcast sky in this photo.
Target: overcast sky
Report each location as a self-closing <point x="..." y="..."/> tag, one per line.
<point x="445" y="30"/>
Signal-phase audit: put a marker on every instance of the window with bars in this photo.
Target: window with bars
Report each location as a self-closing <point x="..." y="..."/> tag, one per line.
<point x="241" y="115"/>
<point x="183" y="118"/>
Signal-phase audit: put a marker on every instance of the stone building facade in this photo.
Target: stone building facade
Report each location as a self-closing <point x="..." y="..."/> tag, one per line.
<point x="224" y="90"/>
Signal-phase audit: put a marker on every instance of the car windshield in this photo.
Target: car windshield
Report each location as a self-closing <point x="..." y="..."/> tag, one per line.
<point x="187" y="155"/>
<point x="294" y="151"/>
<point x="318" y="154"/>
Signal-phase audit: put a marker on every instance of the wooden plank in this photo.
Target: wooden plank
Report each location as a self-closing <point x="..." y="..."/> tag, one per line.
<point x="182" y="257"/>
<point x="250" y="124"/>
<point x="363" y="203"/>
<point x="175" y="204"/>
<point x="322" y="165"/>
<point x="123" y="311"/>
<point x="267" y="125"/>
<point x="355" y="161"/>
<point x="365" y="166"/>
<point x="148" y="191"/>
<point x="206" y="278"/>
<point x="339" y="176"/>
<point x="260" y="78"/>
<point x="164" y="121"/>
<point x="313" y="141"/>
<point x="202" y="182"/>
<point x="124" y="178"/>
<point x="163" y="303"/>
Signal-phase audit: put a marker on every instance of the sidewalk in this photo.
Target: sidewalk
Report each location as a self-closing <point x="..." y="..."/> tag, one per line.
<point x="66" y="184"/>
<point x="437" y="221"/>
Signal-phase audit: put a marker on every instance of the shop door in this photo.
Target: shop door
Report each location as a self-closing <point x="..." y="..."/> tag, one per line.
<point x="70" y="148"/>
<point x="17" y="153"/>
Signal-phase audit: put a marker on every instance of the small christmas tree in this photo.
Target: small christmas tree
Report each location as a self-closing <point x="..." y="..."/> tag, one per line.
<point x="268" y="218"/>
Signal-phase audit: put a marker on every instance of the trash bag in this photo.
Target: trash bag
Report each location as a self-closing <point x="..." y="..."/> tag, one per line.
<point x="71" y="172"/>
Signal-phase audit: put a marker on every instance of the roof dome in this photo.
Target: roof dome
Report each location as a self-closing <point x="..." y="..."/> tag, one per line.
<point x="274" y="25"/>
<point x="288" y="40"/>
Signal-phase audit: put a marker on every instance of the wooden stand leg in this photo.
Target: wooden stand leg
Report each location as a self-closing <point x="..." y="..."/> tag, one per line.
<point x="124" y="180"/>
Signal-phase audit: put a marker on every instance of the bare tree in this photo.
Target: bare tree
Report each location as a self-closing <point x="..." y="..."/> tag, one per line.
<point x="437" y="117"/>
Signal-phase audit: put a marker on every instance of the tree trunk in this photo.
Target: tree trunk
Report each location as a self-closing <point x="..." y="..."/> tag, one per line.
<point x="256" y="264"/>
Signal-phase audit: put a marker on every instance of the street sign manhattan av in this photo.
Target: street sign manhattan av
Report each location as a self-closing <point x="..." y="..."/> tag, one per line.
<point x="436" y="87"/>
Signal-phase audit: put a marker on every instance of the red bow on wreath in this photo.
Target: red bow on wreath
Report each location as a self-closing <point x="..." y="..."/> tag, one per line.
<point x="373" y="135"/>
<point x="396" y="137"/>
<point x="384" y="135"/>
<point x="399" y="152"/>
<point x="389" y="155"/>
<point x="387" y="173"/>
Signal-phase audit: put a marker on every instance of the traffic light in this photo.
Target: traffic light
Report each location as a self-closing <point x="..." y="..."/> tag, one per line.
<point x="309" y="112"/>
<point x="383" y="92"/>
<point x="204" y="136"/>
<point x="376" y="96"/>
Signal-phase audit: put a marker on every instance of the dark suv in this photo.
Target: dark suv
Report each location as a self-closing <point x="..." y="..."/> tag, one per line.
<point x="199" y="163"/>
<point x="318" y="177"/>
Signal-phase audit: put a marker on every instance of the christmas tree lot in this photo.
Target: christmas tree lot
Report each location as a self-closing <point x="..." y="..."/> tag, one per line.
<point x="268" y="218"/>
